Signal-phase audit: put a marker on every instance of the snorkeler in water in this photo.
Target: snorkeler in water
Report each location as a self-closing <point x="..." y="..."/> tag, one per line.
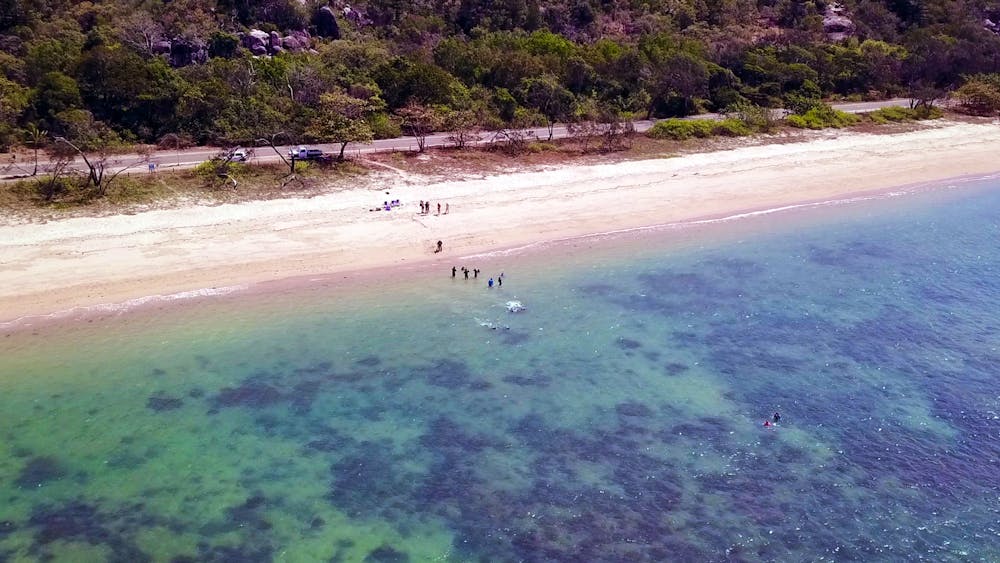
<point x="776" y="417"/>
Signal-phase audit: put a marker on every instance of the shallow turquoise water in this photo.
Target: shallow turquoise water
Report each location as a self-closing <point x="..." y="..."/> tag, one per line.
<point x="619" y="417"/>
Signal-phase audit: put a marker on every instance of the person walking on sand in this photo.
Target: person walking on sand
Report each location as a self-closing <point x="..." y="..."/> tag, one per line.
<point x="439" y="209"/>
<point x="447" y="207"/>
<point x="440" y="247"/>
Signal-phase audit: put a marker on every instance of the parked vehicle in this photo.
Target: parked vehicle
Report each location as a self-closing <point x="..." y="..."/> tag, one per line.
<point x="239" y="155"/>
<point x="304" y="153"/>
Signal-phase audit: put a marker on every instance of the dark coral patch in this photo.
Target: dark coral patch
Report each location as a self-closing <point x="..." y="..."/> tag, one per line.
<point x="232" y="554"/>
<point x="444" y="434"/>
<point x="161" y="402"/>
<point x="386" y="554"/>
<point x="533" y="380"/>
<point x="158" y="372"/>
<point x="82" y="522"/>
<point x="515" y="337"/>
<point x="39" y="471"/>
<point x="628" y="343"/>
<point x="251" y="393"/>
<point x="248" y="515"/>
<point x="674" y="368"/>
<point x="365" y="482"/>
<point x="369" y="361"/>
<point x="446" y="373"/>
<point x="633" y="409"/>
<point x="6" y="527"/>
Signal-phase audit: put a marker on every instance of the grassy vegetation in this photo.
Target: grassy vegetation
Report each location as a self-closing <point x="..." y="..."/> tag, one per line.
<point x="203" y="183"/>
<point x="899" y="115"/>
<point x="823" y="117"/>
<point x="682" y="129"/>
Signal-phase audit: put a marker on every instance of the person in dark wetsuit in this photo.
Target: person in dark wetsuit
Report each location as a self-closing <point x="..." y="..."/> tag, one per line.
<point x="466" y="272"/>
<point x="776" y="418"/>
<point x="454" y="270"/>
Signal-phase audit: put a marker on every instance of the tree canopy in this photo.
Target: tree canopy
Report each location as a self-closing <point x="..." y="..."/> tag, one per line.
<point x="231" y="71"/>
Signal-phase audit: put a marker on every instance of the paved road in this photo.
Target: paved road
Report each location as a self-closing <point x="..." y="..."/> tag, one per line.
<point x="190" y="158"/>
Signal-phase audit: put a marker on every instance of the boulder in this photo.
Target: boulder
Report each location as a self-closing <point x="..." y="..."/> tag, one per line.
<point x="838" y="28"/>
<point x="162" y="47"/>
<point x="836" y="24"/>
<point x="274" y="40"/>
<point x="326" y="23"/>
<point x="293" y="44"/>
<point x="184" y="52"/>
<point x="257" y="42"/>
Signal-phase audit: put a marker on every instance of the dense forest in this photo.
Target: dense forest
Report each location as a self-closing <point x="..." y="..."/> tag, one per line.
<point x="233" y="71"/>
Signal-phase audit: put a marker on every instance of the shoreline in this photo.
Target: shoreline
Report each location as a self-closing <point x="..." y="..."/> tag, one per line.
<point x="65" y="268"/>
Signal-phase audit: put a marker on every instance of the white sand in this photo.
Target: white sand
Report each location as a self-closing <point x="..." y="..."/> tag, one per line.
<point x="59" y="265"/>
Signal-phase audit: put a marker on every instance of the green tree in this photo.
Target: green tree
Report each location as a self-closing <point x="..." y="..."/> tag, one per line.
<point x="36" y="138"/>
<point x="122" y="88"/>
<point x="55" y="94"/>
<point x="342" y="118"/>
<point x="550" y="98"/>
<point x="420" y="121"/>
<point x="13" y="101"/>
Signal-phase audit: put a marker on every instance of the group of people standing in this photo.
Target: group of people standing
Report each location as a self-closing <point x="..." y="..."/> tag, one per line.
<point x="425" y="208"/>
<point x="475" y="275"/>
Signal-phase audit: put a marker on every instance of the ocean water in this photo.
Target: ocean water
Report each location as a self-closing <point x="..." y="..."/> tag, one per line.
<point x="619" y="417"/>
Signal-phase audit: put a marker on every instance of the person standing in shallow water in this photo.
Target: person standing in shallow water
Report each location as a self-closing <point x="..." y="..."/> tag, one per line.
<point x="490" y="283"/>
<point x="500" y="281"/>
<point x="453" y="271"/>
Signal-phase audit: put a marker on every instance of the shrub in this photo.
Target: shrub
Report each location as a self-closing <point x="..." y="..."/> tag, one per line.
<point x="899" y="114"/>
<point x="756" y="118"/>
<point x="822" y="117"/>
<point x="681" y="129"/>
<point x="980" y="95"/>
<point x="384" y="126"/>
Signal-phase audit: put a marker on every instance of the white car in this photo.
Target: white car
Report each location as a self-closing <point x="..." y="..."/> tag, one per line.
<point x="239" y="155"/>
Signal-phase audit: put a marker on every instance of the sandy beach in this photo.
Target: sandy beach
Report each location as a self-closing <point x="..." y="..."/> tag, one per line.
<point x="79" y="262"/>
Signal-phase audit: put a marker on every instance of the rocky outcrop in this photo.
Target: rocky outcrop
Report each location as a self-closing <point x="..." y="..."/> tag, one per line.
<point x="257" y="42"/>
<point x="184" y="52"/>
<point x="836" y="24"/>
<point x="296" y="41"/>
<point x="326" y="23"/>
<point x="262" y="44"/>
<point x="188" y="52"/>
<point x="181" y="52"/>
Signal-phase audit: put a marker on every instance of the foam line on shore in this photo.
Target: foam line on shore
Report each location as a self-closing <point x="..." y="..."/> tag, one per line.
<point x="123" y="306"/>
